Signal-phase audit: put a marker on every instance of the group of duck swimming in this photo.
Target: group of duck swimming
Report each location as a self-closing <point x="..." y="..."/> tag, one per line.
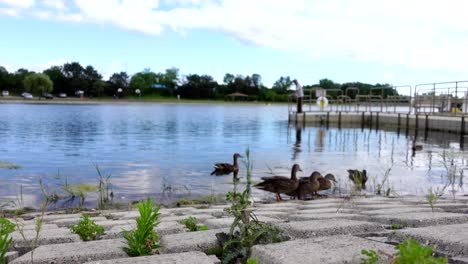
<point x="301" y="188"/>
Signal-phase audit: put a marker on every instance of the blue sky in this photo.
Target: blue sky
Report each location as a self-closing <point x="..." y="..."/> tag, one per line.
<point x="397" y="42"/>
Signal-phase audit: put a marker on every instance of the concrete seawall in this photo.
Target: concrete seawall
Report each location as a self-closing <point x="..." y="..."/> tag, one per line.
<point x="452" y="124"/>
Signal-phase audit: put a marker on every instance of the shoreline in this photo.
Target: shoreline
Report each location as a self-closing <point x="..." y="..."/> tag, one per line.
<point x="87" y="101"/>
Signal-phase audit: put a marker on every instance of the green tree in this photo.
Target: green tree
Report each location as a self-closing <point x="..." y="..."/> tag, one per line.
<point x="38" y="83"/>
<point x="119" y="80"/>
<point x="17" y="81"/>
<point x="170" y="79"/>
<point x="282" y="84"/>
<point x="228" y="78"/>
<point x="5" y="79"/>
<point x="144" y="81"/>
<point x="56" y="75"/>
<point x="74" y="74"/>
<point x="198" y="87"/>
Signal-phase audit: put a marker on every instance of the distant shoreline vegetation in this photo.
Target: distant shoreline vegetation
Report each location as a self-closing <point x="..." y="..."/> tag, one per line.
<point x="73" y="80"/>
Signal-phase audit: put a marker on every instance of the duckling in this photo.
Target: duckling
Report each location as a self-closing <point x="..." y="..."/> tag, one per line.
<point x="307" y="185"/>
<point x="358" y="177"/>
<point x="226" y="168"/>
<point x="280" y="184"/>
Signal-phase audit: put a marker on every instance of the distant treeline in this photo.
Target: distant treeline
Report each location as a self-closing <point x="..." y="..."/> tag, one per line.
<point x="72" y="77"/>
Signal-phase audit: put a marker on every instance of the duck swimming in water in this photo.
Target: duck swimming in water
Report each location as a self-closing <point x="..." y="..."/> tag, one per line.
<point x="280" y="184"/>
<point x="226" y="168"/>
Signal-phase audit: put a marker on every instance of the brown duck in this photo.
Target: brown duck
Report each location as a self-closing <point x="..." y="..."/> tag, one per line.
<point x="326" y="182"/>
<point x="280" y="184"/>
<point x="358" y="177"/>
<point x="226" y="168"/>
<point x="307" y="186"/>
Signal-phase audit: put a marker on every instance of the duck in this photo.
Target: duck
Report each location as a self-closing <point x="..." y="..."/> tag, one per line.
<point x="226" y="168"/>
<point x="280" y="184"/>
<point x="307" y="185"/>
<point x="358" y="177"/>
<point x="326" y="182"/>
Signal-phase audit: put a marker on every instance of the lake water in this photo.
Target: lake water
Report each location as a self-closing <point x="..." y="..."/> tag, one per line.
<point x="148" y="148"/>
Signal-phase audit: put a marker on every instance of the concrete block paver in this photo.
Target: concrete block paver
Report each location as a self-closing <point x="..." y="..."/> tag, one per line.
<point x="190" y="241"/>
<point x="451" y="239"/>
<point x="78" y="252"/>
<point x="328" y="227"/>
<point x="420" y="219"/>
<point x="227" y="221"/>
<point x="46" y="236"/>
<point x="193" y="257"/>
<point x="324" y="216"/>
<point x="164" y="228"/>
<point x="199" y="217"/>
<point x="399" y="210"/>
<point x="332" y="249"/>
<point x="66" y="222"/>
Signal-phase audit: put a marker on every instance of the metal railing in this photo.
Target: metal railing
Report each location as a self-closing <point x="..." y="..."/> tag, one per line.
<point x="352" y="100"/>
<point x="443" y="98"/>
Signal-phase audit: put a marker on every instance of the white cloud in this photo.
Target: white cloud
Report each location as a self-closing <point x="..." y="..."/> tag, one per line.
<point x="424" y="34"/>
<point x="13" y="12"/>
<point x="55" y="4"/>
<point x="18" y="3"/>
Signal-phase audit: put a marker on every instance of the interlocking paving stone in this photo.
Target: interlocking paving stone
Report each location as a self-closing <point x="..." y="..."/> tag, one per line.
<point x="331" y="249"/>
<point x="179" y="211"/>
<point x="213" y="212"/>
<point x="52" y="217"/>
<point x="378" y="206"/>
<point x="10" y="256"/>
<point x="321" y="205"/>
<point x="46" y="236"/>
<point x="199" y="217"/>
<point x="108" y="224"/>
<point x="73" y="221"/>
<point x="190" y="241"/>
<point x="312" y="216"/>
<point x="420" y="219"/>
<point x="399" y="210"/>
<point x="227" y="221"/>
<point x="328" y="227"/>
<point x="32" y="226"/>
<point x="278" y="206"/>
<point x="78" y="252"/>
<point x="272" y="214"/>
<point x="163" y="228"/>
<point x="194" y="257"/>
<point x="325" y="211"/>
<point x="274" y="209"/>
<point x="451" y="239"/>
<point x="326" y="200"/>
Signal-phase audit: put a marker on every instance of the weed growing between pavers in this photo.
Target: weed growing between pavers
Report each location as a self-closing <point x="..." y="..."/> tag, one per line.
<point x="192" y="225"/>
<point x="105" y="192"/>
<point x="410" y="251"/>
<point x="433" y="196"/>
<point x="143" y="240"/>
<point x="455" y="167"/>
<point x="246" y="230"/>
<point x="48" y="198"/>
<point x="371" y="257"/>
<point x="397" y="226"/>
<point x="87" y="229"/>
<point x="6" y="228"/>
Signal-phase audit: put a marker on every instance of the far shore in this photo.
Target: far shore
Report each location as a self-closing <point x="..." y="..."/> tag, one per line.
<point x="77" y="101"/>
